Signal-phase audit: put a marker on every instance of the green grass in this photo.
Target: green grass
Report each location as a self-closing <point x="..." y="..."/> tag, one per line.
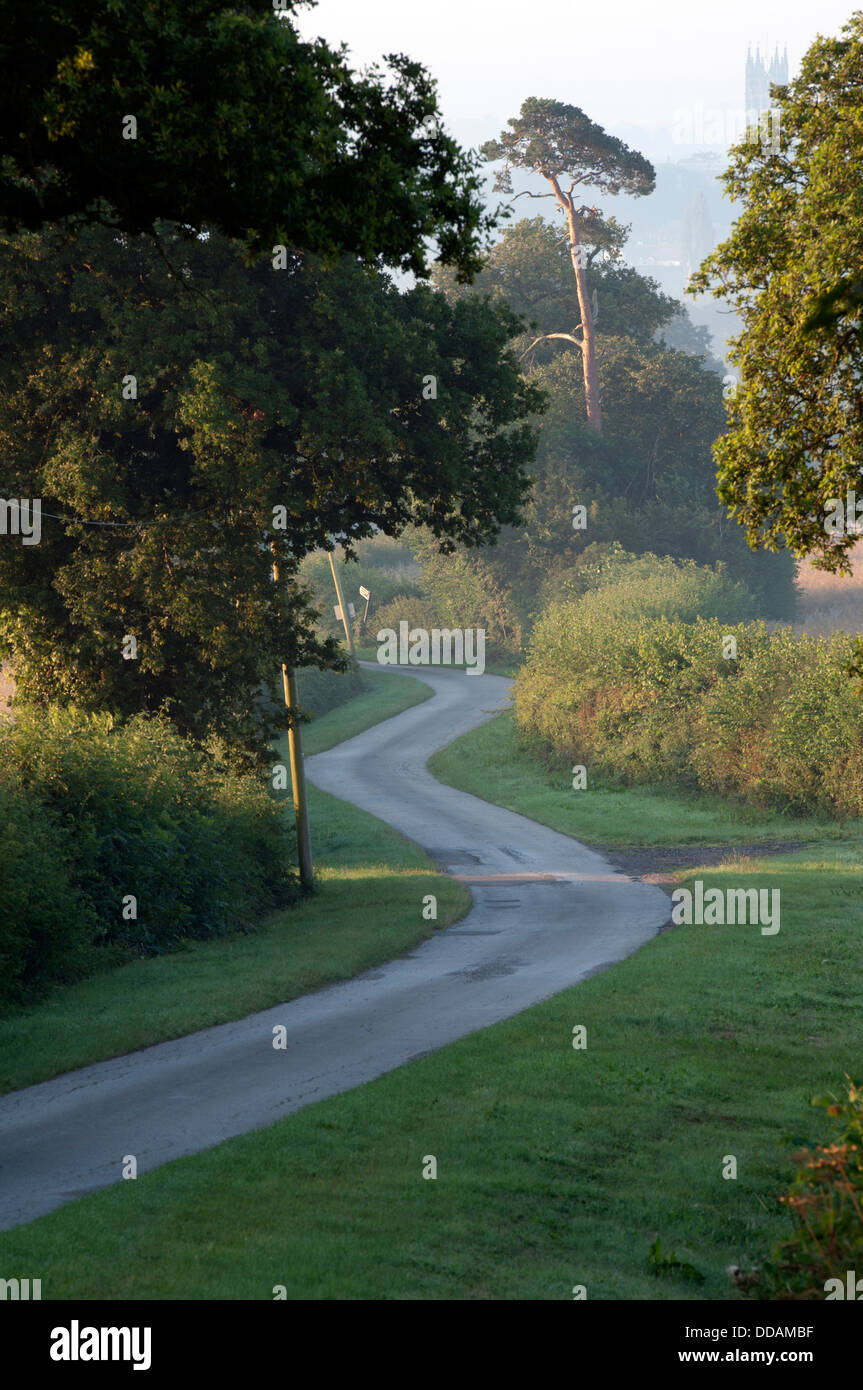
<point x="367" y="909"/>
<point x="490" y="763"/>
<point x="389" y="693"/>
<point x="556" y="1167"/>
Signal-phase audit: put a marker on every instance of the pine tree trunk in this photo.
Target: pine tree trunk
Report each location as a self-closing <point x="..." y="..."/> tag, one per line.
<point x="588" y="350"/>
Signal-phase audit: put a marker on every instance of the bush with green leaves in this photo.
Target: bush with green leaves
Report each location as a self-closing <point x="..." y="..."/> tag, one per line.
<point x="97" y="815"/>
<point x="404" y="608"/>
<point x="825" y="1202"/>
<point x="651" y="586"/>
<point x="635" y="679"/>
<point x="321" y="691"/>
<point x="46" y="923"/>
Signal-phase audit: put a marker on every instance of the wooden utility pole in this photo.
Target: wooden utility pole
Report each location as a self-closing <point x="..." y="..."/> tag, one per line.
<point x="298" y="771"/>
<point x="343" y="609"/>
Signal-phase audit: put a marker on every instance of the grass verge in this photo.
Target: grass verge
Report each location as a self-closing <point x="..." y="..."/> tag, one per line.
<point x="367" y="910"/>
<point x="389" y="693"/>
<point x="490" y="763"/>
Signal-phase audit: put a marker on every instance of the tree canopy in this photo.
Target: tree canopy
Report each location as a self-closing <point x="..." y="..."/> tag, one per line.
<point x="529" y="269"/>
<point x="561" y="142"/>
<point x="185" y="421"/>
<point x="648" y="481"/>
<point x="794" y="437"/>
<point x="215" y="113"/>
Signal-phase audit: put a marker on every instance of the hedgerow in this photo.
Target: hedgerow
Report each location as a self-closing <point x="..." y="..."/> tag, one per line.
<point x="126" y="840"/>
<point x="637" y="681"/>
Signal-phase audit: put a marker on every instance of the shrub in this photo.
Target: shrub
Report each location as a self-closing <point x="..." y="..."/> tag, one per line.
<point x="825" y="1202"/>
<point x="618" y="680"/>
<point x="135" y="811"/>
<point x="408" y="608"/>
<point x="647" y="586"/>
<point x="46" y="924"/>
<point x="320" y="691"/>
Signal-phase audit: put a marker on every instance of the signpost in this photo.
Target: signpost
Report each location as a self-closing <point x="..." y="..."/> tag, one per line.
<point x="342" y="610"/>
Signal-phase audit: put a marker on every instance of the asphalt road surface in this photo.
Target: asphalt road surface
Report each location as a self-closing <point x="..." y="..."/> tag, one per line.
<point x="547" y="913"/>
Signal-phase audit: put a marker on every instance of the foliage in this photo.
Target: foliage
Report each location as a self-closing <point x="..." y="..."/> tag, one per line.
<point x="95" y="813"/>
<point x="665" y="1262"/>
<point x="321" y="691"/>
<point x="684" y="335"/>
<point x="794" y="434"/>
<point x="384" y="584"/>
<point x="649" y="480"/>
<point x="630" y="679"/>
<point x="404" y="608"/>
<point x="299" y="389"/>
<point x="471" y="590"/>
<point x="662" y="411"/>
<point x="241" y="127"/>
<point x="560" y="141"/>
<point x="386" y="553"/>
<point x="647" y="586"/>
<point x="46" y="923"/>
<point x="529" y="269"/>
<point x="825" y="1202"/>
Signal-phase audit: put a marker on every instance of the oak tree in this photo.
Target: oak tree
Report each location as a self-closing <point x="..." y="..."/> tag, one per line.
<point x="182" y="420"/>
<point x="215" y="113"/>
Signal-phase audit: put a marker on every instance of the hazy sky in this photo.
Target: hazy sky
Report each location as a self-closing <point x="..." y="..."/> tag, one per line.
<point x="625" y="62"/>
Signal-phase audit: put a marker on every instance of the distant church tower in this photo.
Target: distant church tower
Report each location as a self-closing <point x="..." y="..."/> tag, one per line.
<point x="758" y="79"/>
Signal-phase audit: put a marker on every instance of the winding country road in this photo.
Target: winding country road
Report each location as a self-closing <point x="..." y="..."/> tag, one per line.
<point x="547" y="913"/>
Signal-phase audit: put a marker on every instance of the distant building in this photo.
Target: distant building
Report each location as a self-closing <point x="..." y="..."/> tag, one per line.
<point x="759" y="77"/>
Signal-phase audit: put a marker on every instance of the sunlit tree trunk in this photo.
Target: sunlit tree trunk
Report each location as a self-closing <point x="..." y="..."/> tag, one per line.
<point x="588" y="337"/>
<point x="588" y="340"/>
